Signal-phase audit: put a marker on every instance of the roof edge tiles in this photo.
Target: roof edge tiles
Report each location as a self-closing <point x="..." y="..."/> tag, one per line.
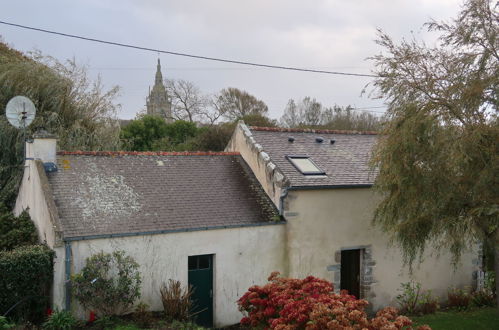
<point x="311" y="130"/>
<point x="147" y="153"/>
<point x="274" y="173"/>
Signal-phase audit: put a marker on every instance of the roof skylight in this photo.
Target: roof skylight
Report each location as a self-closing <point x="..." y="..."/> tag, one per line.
<point x="305" y="165"/>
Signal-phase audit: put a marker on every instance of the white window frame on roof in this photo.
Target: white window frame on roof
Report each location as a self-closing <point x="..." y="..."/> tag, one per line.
<point x="292" y="159"/>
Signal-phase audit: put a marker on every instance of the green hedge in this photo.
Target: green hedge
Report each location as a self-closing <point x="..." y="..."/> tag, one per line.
<point x="16" y="231"/>
<point x="26" y="277"/>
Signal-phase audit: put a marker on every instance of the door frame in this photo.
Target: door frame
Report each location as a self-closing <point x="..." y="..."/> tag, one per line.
<point x="360" y="267"/>
<point x="212" y="270"/>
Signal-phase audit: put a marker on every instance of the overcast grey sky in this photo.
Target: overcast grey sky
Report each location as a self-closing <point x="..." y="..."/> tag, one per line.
<point x="336" y="35"/>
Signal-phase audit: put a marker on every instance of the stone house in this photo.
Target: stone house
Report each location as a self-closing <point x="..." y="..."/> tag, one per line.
<point x="295" y="201"/>
<point x="320" y="181"/>
<point x="201" y="218"/>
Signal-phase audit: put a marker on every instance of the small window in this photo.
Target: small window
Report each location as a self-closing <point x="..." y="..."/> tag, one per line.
<point x="305" y="165"/>
<point x="199" y="262"/>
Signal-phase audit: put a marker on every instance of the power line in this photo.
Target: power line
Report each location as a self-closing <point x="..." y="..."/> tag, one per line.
<point x="188" y="55"/>
<point x="171" y="68"/>
<point x="365" y="109"/>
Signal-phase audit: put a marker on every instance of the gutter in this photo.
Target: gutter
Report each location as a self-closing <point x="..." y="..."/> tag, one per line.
<point x="341" y="186"/>
<point x="67" y="282"/>
<point x="168" y="231"/>
<point x="284" y="194"/>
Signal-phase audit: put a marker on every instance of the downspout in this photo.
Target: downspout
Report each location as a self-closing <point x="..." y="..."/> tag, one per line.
<point x="284" y="194"/>
<point x="287" y="261"/>
<point x="67" y="268"/>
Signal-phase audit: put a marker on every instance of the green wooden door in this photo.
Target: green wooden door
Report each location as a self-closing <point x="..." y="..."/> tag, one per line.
<point x="201" y="279"/>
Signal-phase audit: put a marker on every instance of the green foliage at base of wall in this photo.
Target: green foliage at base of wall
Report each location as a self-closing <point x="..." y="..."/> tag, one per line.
<point x="109" y="284"/>
<point x="26" y="279"/>
<point x="16" y="231"/>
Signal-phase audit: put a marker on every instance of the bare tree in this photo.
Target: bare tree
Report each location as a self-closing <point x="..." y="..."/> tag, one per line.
<point x="291" y="116"/>
<point x="233" y="103"/>
<point x="307" y="112"/>
<point x="347" y="118"/>
<point x="310" y="113"/>
<point x="188" y="103"/>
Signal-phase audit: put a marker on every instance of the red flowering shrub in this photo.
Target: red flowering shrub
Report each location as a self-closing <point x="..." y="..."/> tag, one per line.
<point x="310" y="303"/>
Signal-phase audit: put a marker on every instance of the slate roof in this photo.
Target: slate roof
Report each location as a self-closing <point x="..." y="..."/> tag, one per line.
<point x="345" y="162"/>
<point x="99" y="193"/>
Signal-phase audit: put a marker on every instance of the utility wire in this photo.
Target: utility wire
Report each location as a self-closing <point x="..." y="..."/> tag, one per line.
<point x="364" y="109"/>
<point x="189" y="55"/>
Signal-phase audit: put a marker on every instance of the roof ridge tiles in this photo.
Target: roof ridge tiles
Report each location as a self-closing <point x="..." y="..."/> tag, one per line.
<point x="311" y="130"/>
<point x="148" y="153"/>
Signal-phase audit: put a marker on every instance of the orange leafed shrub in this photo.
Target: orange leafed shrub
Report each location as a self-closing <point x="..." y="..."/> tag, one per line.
<point x="310" y="303"/>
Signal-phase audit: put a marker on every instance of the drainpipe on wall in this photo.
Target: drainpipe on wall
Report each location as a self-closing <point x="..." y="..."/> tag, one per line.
<point x="67" y="268"/>
<point x="284" y="194"/>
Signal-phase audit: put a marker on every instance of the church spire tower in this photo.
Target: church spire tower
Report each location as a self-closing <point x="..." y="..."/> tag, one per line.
<point x="158" y="103"/>
<point x="159" y="76"/>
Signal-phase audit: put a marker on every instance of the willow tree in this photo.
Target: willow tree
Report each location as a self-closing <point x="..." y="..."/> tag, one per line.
<point x="438" y="157"/>
<point x="68" y="104"/>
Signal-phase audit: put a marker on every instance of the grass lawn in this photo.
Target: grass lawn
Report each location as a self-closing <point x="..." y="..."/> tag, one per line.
<point x="477" y="319"/>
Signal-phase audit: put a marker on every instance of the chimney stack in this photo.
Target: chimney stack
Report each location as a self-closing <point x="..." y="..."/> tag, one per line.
<point x="43" y="147"/>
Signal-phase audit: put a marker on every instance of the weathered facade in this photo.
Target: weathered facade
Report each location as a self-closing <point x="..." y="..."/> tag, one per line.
<point x="295" y="201"/>
<point x="158" y="102"/>
<point x="163" y="209"/>
<point x="328" y="215"/>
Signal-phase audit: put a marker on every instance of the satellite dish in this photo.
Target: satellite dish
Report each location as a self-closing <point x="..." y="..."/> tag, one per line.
<point x="20" y="111"/>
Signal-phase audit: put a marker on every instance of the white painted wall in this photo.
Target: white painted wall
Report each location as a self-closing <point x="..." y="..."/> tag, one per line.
<point x="31" y="196"/>
<point x="321" y="222"/>
<point x="243" y="257"/>
<point x="59" y="286"/>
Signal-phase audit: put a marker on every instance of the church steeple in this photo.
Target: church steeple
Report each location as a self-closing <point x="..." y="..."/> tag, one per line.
<point x="159" y="76"/>
<point x="158" y="103"/>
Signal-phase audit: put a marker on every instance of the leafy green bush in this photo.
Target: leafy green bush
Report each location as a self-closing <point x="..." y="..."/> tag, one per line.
<point x="428" y="304"/>
<point x="16" y="231"/>
<point x="490" y="282"/>
<point x="108" y="284"/>
<point x="4" y="323"/>
<point x="60" y="320"/>
<point x="408" y="299"/>
<point x="26" y="278"/>
<point x="482" y="298"/>
<point x="153" y="133"/>
<point x="485" y="296"/>
<point x="413" y="300"/>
